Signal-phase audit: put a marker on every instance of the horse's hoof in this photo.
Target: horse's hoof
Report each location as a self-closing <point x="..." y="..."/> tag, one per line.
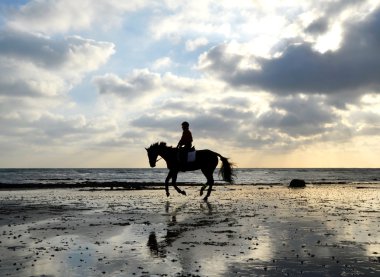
<point x="201" y="192"/>
<point x="167" y="194"/>
<point x="183" y="192"/>
<point x="205" y="199"/>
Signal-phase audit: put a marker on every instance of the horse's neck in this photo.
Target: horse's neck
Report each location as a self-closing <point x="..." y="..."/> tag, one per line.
<point x="168" y="154"/>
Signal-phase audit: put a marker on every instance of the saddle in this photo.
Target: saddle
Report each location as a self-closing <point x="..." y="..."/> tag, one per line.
<point x="186" y="156"/>
<point x="191" y="155"/>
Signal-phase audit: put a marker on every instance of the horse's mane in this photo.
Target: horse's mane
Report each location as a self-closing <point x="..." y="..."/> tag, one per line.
<point x="160" y="144"/>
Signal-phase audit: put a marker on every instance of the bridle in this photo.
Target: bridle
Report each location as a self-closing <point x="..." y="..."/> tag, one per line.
<point x="157" y="159"/>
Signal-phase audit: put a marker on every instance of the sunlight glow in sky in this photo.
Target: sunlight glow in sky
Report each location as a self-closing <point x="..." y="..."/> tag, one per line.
<point x="266" y="83"/>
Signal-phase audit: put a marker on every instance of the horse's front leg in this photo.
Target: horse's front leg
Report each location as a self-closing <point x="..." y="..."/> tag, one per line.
<point x="174" y="182"/>
<point x="167" y="183"/>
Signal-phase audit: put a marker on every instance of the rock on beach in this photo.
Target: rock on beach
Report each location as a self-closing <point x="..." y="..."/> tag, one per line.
<point x="297" y="183"/>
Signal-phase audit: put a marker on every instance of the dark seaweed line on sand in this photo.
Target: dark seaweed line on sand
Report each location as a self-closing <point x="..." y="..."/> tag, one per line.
<point x="81" y="185"/>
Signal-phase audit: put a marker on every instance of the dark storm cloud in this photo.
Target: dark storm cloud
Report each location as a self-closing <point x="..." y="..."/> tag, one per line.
<point x="300" y="69"/>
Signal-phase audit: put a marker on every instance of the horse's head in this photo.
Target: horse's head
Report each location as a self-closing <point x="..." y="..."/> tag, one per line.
<point x="152" y="155"/>
<point x="153" y="151"/>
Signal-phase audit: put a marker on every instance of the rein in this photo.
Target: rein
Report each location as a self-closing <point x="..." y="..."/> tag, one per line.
<point x="159" y="159"/>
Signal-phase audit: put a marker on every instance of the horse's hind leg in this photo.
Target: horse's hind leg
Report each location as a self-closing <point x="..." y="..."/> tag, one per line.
<point x="205" y="173"/>
<point x="174" y="180"/>
<point x="210" y="182"/>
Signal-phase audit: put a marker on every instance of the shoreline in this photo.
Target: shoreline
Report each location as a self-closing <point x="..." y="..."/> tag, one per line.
<point x="155" y="185"/>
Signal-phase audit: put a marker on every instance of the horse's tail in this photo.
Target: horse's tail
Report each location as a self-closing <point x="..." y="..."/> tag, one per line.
<point x="226" y="171"/>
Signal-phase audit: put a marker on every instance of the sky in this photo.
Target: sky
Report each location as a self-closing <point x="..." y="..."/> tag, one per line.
<point x="266" y="83"/>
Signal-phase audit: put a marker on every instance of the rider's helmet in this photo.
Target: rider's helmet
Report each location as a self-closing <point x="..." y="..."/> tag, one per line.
<point x="185" y="124"/>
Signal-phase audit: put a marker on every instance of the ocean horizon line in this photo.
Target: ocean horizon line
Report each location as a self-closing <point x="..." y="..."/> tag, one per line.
<point x="145" y="168"/>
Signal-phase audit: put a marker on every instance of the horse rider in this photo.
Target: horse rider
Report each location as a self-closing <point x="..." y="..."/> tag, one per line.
<point x="185" y="143"/>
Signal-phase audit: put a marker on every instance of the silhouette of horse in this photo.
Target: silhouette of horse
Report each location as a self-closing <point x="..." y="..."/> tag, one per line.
<point x="206" y="161"/>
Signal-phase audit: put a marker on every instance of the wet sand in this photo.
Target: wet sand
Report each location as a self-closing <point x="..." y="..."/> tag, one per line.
<point x="241" y="231"/>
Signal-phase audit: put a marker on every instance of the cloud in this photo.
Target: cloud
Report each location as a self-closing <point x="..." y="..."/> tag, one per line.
<point x="298" y="116"/>
<point x="36" y="74"/>
<point x="52" y="129"/>
<point x="157" y="122"/>
<point x="60" y="16"/>
<point x="60" y="127"/>
<point x="36" y="49"/>
<point x="276" y="77"/>
<point x="161" y="63"/>
<point x="364" y="121"/>
<point x="290" y="122"/>
<point x="334" y="12"/>
<point x="136" y="85"/>
<point x="300" y="69"/>
<point x="204" y="18"/>
<point x="192" y="45"/>
<point x="34" y="65"/>
<point x="336" y="7"/>
<point x="206" y="125"/>
<point x="224" y="121"/>
<point x="318" y="26"/>
<point x="142" y="82"/>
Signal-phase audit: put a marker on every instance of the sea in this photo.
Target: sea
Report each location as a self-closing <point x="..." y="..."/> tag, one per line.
<point x="244" y="176"/>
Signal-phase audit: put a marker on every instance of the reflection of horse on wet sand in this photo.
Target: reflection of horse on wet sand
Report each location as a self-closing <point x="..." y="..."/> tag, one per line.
<point x="206" y="161"/>
<point x="174" y="230"/>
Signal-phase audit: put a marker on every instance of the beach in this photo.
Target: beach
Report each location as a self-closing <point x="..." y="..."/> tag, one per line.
<point x="324" y="230"/>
